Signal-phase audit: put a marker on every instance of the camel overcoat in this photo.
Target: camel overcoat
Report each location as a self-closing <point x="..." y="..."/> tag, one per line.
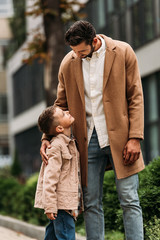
<point x="122" y="101"/>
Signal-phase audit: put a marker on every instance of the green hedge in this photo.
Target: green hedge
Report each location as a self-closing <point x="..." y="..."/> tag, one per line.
<point x="17" y="200"/>
<point x="149" y="194"/>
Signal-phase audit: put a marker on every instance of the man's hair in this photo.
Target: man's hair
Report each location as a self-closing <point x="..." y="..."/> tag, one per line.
<point x="46" y="120"/>
<point x="79" y="32"/>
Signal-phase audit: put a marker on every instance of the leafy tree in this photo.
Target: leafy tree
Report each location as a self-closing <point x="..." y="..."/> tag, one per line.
<point x="18" y="28"/>
<point x="51" y="46"/>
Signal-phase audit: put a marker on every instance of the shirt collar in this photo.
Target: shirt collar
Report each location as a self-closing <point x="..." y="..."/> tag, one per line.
<point x="99" y="51"/>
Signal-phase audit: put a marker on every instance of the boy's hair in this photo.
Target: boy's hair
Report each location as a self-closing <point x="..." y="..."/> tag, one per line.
<point x="79" y="32"/>
<point x="46" y="120"/>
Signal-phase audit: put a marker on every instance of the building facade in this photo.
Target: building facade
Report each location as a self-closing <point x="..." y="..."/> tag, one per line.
<point x="134" y="21"/>
<point x="6" y="11"/>
<point x="138" y="23"/>
<point x="26" y="101"/>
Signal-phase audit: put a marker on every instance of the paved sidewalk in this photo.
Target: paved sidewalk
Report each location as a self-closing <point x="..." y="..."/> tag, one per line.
<point x="13" y="229"/>
<point x="8" y="234"/>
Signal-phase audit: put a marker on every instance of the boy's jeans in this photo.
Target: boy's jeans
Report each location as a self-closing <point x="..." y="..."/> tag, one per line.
<point x="127" y="193"/>
<point x="62" y="228"/>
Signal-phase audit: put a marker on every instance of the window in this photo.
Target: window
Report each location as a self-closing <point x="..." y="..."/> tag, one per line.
<point x="137" y="32"/>
<point x="148" y="20"/>
<point x="151" y="88"/>
<point x="28" y="87"/>
<point x="3" y="108"/>
<point x="27" y="145"/>
<point x="143" y="22"/>
<point x="101" y="14"/>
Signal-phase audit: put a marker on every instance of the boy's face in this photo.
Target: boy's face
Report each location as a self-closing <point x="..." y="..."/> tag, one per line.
<point x="63" y="117"/>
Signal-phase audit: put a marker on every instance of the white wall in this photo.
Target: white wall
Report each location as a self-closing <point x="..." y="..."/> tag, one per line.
<point x="149" y="58"/>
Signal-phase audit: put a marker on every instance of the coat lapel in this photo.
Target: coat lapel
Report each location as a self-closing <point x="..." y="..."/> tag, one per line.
<point x="109" y="59"/>
<point x="77" y="66"/>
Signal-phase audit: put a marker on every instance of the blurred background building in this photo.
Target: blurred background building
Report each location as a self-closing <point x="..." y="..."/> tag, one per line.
<point x="6" y="11"/>
<point x="134" y="21"/>
<point x="26" y="101"/>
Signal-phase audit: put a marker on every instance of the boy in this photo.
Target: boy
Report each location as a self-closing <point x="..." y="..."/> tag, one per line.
<point x="58" y="188"/>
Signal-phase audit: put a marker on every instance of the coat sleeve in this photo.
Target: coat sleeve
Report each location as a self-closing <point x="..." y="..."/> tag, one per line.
<point x="134" y="96"/>
<point x="61" y="100"/>
<point x="51" y="179"/>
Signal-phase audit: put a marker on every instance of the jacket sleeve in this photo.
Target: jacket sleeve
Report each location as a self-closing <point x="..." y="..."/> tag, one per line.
<point x="134" y="96"/>
<point x="51" y="179"/>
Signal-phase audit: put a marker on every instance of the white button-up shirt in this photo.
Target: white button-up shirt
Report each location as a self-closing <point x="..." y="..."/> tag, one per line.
<point x="93" y="69"/>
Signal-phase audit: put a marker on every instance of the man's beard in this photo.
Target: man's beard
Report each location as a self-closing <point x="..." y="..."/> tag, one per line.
<point x="91" y="52"/>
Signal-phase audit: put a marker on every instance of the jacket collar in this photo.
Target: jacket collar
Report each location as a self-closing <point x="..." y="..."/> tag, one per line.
<point x="65" y="138"/>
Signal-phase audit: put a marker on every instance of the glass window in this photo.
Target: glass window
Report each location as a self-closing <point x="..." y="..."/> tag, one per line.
<point x="122" y="22"/>
<point x="130" y="2"/>
<point x="27" y="145"/>
<point x="148" y="19"/>
<point x="101" y="13"/>
<point x="110" y="6"/>
<point x="151" y="144"/>
<point x="3" y="108"/>
<point x="28" y="87"/>
<point x="152" y="99"/>
<point x="154" y="141"/>
<point x="136" y="26"/>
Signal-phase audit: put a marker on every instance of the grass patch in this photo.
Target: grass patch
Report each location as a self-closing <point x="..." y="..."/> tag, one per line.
<point x="114" y="235"/>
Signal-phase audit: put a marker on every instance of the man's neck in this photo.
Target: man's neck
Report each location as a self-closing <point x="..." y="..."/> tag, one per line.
<point x="98" y="44"/>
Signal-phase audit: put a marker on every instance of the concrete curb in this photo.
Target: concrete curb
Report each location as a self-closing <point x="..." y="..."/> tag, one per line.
<point x="26" y="228"/>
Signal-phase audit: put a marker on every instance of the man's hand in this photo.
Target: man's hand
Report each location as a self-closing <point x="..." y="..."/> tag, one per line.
<point x="51" y="216"/>
<point x="45" y="144"/>
<point x="131" y="151"/>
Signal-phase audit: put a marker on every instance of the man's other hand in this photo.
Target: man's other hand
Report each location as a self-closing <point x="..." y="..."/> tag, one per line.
<point x="45" y="144"/>
<point x="131" y="151"/>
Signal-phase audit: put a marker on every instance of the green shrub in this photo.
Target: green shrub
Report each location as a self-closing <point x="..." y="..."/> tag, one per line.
<point x="9" y="188"/>
<point x="27" y="210"/>
<point x="149" y="191"/>
<point x="17" y="200"/>
<point x="111" y="203"/>
<point x="152" y="229"/>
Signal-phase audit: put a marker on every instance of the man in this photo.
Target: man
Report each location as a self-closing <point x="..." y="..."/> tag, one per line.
<point x="99" y="83"/>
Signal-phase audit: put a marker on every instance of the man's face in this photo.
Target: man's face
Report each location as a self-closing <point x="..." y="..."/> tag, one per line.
<point x="64" y="118"/>
<point x="83" y="50"/>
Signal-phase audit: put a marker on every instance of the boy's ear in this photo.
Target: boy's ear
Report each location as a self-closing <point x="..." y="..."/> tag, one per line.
<point x="59" y="129"/>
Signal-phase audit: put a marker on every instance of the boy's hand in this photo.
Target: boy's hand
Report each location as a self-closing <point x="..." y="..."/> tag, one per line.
<point x="131" y="151"/>
<point x="51" y="216"/>
<point x="45" y="144"/>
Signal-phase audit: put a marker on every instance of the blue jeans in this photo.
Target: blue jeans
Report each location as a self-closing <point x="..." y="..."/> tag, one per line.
<point x="92" y="194"/>
<point x="62" y="228"/>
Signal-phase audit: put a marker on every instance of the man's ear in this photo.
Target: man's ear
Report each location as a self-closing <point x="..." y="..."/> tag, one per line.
<point x="59" y="129"/>
<point x="95" y="40"/>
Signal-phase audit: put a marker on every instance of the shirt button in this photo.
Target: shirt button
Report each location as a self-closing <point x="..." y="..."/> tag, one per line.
<point x="85" y="139"/>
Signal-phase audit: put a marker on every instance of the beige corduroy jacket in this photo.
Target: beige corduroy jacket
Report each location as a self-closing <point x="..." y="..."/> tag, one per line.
<point x="57" y="186"/>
